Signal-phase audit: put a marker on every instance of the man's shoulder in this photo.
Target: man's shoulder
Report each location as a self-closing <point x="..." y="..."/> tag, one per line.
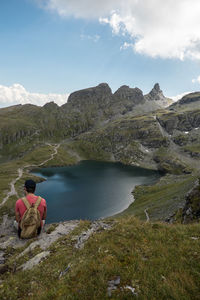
<point x="19" y="202"/>
<point x="43" y="201"/>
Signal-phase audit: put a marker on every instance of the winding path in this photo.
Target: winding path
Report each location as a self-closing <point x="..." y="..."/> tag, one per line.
<point x="147" y="215"/>
<point x="20" y="173"/>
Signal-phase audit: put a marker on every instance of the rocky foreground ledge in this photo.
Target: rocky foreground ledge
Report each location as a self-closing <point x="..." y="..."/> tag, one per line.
<point x="51" y="233"/>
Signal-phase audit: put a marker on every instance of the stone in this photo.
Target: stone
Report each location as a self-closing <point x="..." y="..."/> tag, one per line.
<point x="131" y="289"/>
<point x="2" y="258"/>
<point x="84" y="236"/>
<point x="112" y="285"/>
<point x="134" y="95"/>
<point x="44" y="240"/>
<point x="156" y="94"/>
<point x="34" y="261"/>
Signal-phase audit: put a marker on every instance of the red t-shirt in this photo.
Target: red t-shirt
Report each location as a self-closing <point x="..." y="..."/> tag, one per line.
<point x="20" y="207"/>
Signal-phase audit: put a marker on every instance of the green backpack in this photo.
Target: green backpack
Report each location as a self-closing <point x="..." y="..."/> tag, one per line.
<point x="30" y="221"/>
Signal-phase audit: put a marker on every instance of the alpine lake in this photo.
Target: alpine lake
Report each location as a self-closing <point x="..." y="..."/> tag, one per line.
<point x="90" y="190"/>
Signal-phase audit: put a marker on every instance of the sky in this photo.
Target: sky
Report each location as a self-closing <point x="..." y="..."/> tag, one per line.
<point x="51" y="48"/>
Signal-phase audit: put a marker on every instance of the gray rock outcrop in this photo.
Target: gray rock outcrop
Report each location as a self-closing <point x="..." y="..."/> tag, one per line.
<point x="134" y="95"/>
<point x="99" y="95"/>
<point x="156" y="94"/>
<point x="191" y="210"/>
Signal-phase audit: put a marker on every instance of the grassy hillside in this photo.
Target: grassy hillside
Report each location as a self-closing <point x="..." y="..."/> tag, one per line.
<point x="134" y="258"/>
<point x="162" y="199"/>
<point x="157" y="261"/>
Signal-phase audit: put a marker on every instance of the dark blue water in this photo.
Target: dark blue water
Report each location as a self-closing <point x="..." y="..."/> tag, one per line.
<point x="90" y="190"/>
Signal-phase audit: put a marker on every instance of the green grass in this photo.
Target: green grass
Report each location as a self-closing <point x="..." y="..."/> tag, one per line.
<point x="162" y="199"/>
<point x="160" y="261"/>
<point x="169" y="162"/>
<point x="194" y="149"/>
<point x="91" y="150"/>
<point x="39" y="154"/>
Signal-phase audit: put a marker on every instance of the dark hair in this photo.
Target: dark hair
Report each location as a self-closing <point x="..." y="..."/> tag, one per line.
<point x="30" y="186"/>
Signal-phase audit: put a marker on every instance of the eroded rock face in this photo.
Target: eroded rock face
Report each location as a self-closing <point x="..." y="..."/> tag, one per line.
<point x="192" y="100"/>
<point x="191" y="210"/>
<point x="84" y="110"/>
<point x="182" y="121"/>
<point x="156" y="94"/>
<point x="100" y="94"/>
<point x="134" y="95"/>
<point x="51" y="106"/>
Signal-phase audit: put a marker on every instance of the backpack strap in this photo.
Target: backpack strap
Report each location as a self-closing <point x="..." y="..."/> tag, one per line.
<point x="26" y="202"/>
<point x="37" y="203"/>
<point x="28" y="205"/>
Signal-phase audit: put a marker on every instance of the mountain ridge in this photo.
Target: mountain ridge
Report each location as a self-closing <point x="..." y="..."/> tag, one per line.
<point x="133" y="254"/>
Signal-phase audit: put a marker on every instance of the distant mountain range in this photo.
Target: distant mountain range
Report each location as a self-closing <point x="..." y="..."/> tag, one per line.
<point x="149" y="131"/>
<point x="84" y="110"/>
<point x="127" y="126"/>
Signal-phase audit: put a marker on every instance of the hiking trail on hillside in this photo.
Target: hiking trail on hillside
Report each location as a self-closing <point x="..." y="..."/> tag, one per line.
<point x="20" y="174"/>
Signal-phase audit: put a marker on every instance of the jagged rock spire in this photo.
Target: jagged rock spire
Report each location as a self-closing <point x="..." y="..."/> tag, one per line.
<point x="156" y="93"/>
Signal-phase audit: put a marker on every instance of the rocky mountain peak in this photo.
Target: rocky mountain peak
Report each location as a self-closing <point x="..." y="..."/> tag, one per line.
<point x="50" y="105"/>
<point x="104" y="86"/>
<point x="92" y="95"/>
<point x="156" y="93"/>
<point x="157" y="87"/>
<point x="192" y="100"/>
<point x="132" y="94"/>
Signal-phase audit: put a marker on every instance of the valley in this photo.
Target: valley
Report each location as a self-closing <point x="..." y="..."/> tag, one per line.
<point x="147" y="131"/>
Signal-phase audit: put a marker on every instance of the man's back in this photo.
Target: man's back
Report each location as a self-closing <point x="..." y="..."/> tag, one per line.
<point x="20" y="207"/>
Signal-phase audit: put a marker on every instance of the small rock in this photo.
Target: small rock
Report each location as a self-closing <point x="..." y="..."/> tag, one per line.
<point x="131" y="289"/>
<point x="34" y="261"/>
<point x="163" y="277"/>
<point x="2" y="259"/>
<point x="96" y="226"/>
<point x="112" y="285"/>
<point x="64" y="272"/>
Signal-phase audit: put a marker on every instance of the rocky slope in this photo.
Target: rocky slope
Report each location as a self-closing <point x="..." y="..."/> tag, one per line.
<point x="191" y="210"/>
<point x="190" y="101"/>
<point x="126" y="126"/>
<point x="120" y="257"/>
<point x="84" y="110"/>
<point x="97" y="124"/>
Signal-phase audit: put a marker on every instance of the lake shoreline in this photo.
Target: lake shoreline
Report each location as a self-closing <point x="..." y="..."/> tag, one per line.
<point x="99" y="164"/>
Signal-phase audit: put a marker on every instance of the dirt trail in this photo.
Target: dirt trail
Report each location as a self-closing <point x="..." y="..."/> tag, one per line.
<point x="21" y="170"/>
<point x="147" y="215"/>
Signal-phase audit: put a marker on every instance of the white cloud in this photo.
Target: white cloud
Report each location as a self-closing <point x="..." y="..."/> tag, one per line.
<point x="126" y="46"/>
<point x="17" y="94"/>
<point x="196" y="80"/>
<point x="178" y="97"/>
<point x="95" y="38"/>
<point x="167" y="29"/>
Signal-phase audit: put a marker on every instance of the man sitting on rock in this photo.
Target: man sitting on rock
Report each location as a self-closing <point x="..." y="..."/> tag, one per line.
<point x="30" y="212"/>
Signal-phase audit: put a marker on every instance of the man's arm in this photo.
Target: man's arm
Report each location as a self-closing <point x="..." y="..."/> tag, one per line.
<point x="45" y="212"/>
<point x="17" y="215"/>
